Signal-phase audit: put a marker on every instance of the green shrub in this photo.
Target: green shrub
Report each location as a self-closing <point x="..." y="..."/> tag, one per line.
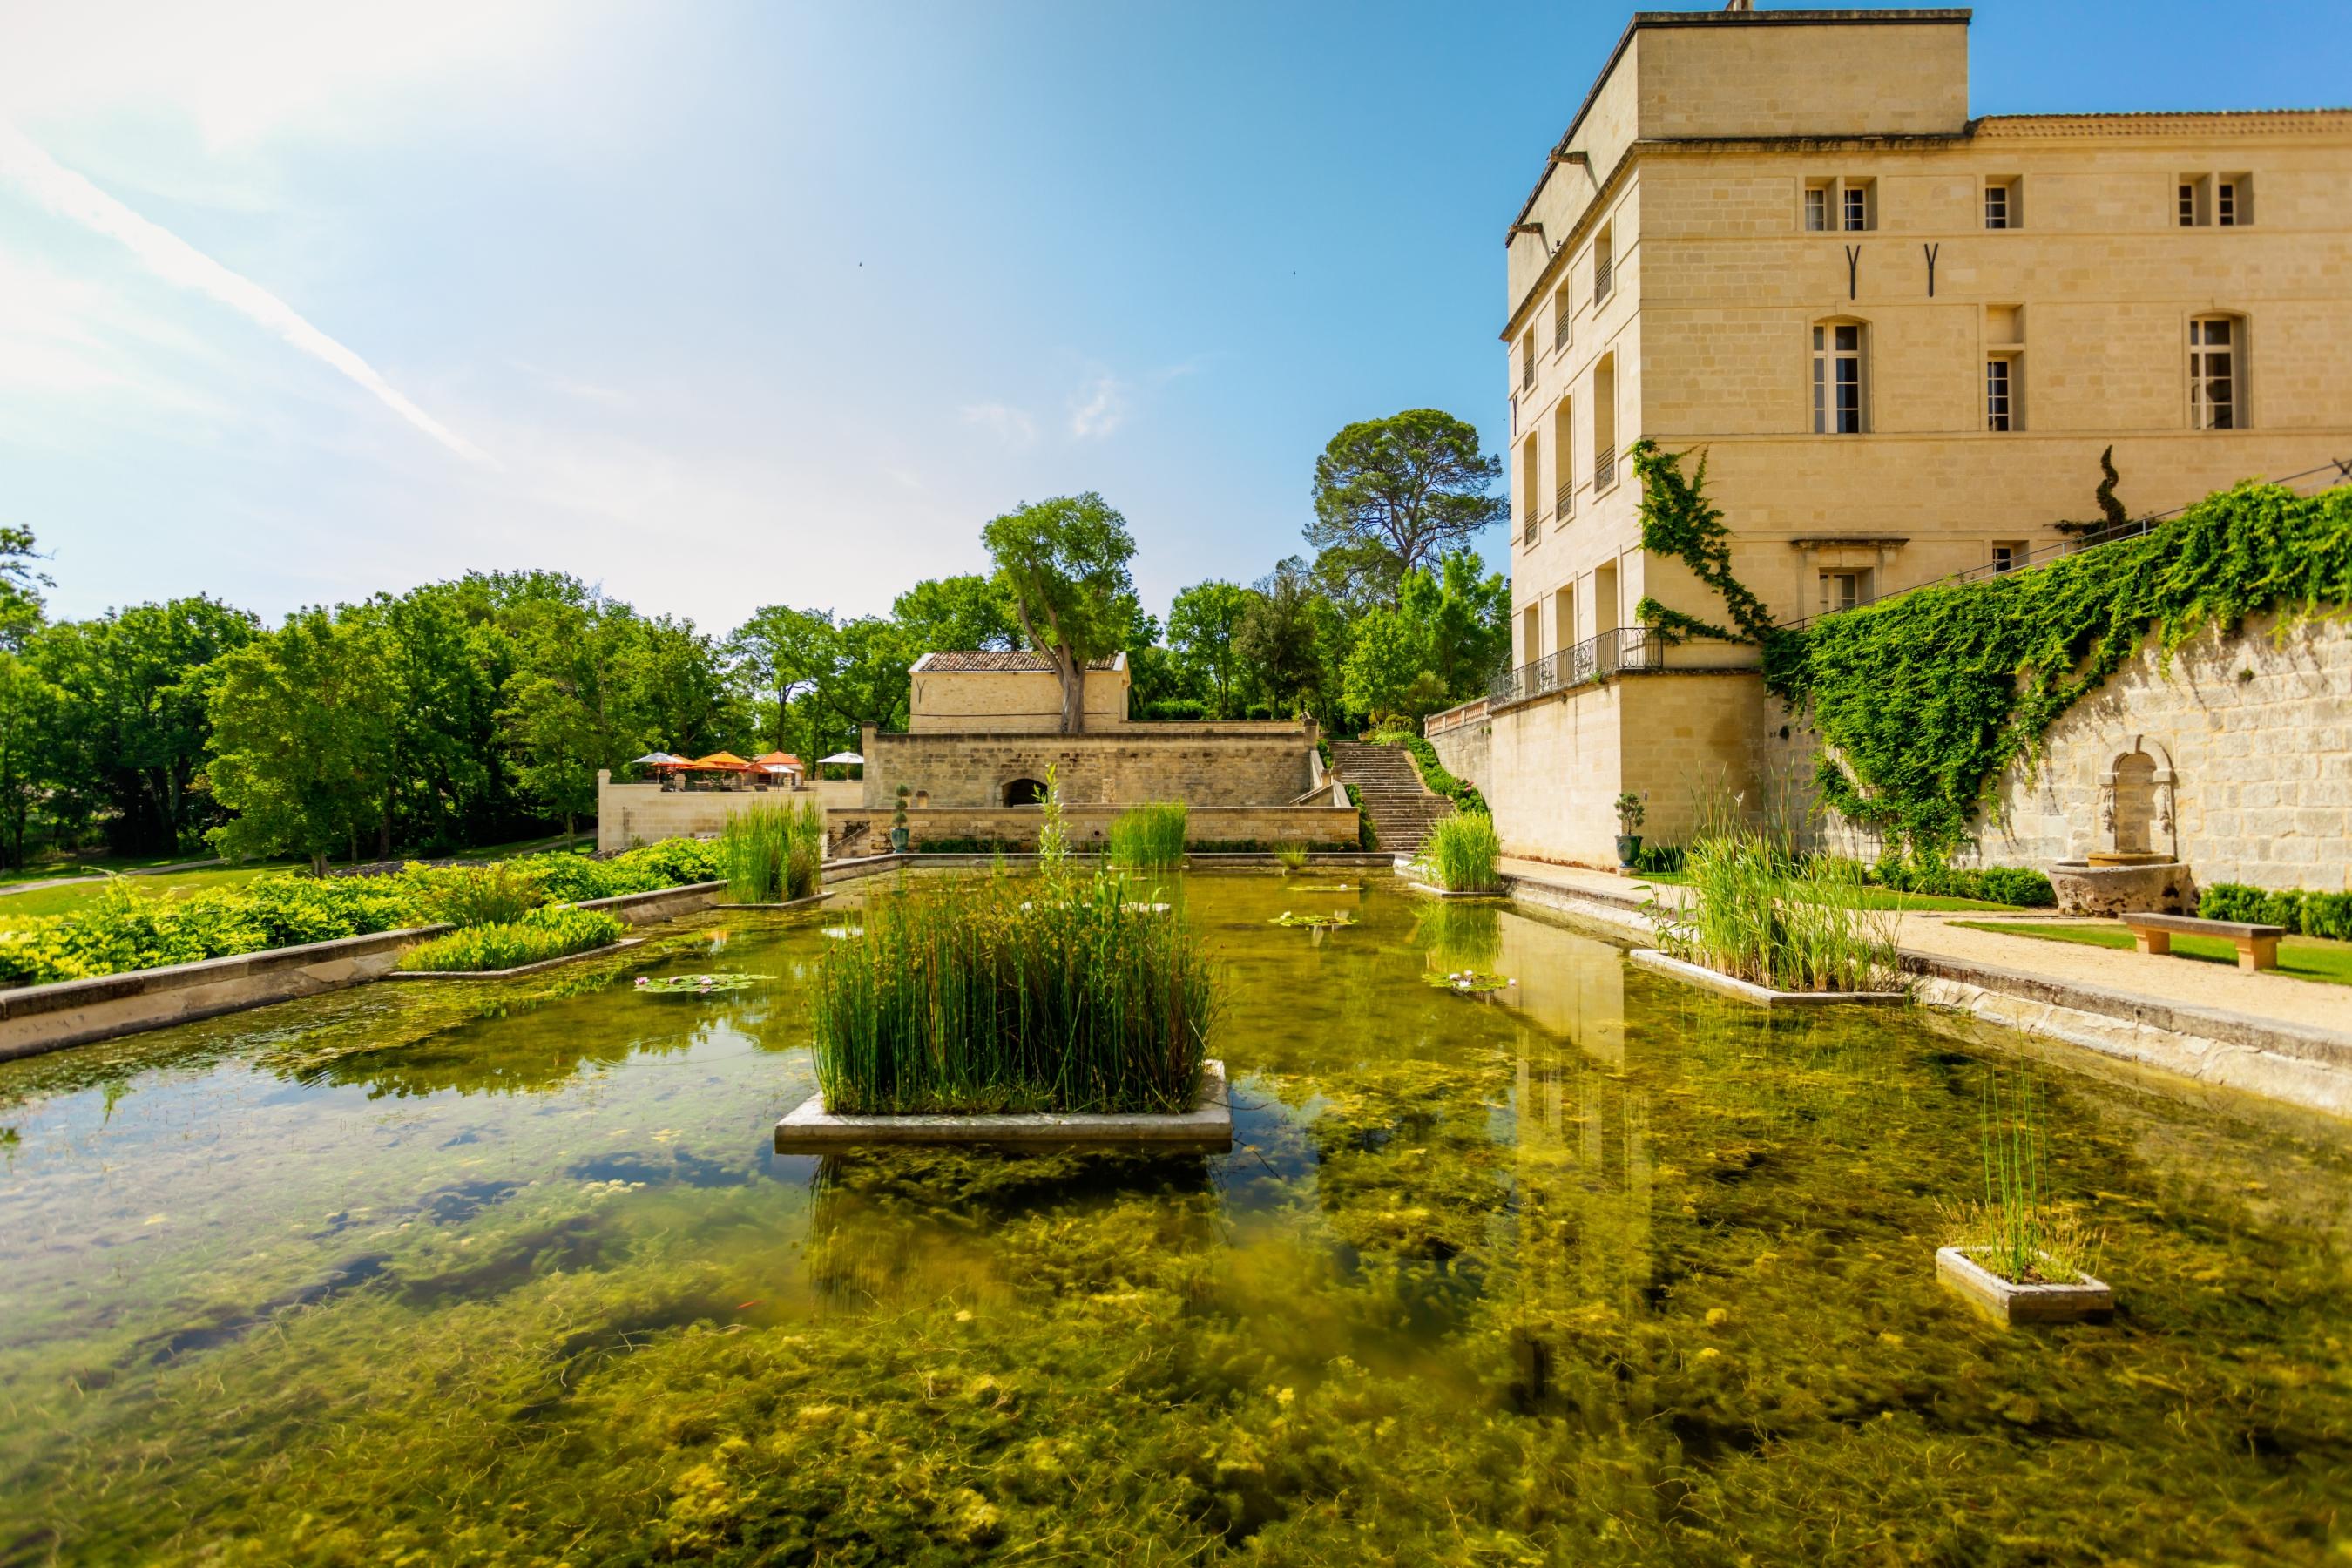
<point x="966" y="846"/>
<point x="1463" y="854"/>
<point x="1291" y="857"/>
<point x="1992" y="885"/>
<point x="1658" y="859"/>
<point x="1461" y="792"/>
<point x="2305" y="914"/>
<point x="552" y="931"/>
<point x="495" y="894"/>
<point x="985" y="993"/>
<point x="1148" y="837"/>
<point x="771" y="854"/>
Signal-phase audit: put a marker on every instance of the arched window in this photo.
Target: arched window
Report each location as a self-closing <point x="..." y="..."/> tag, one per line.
<point x="1839" y="349"/>
<point x="1024" y="791"/>
<point x="2217" y="370"/>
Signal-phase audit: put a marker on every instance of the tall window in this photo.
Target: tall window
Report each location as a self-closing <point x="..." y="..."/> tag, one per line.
<point x="1528" y="359"/>
<point x="1817" y="208"/>
<point x="1531" y="481"/>
<point x="1563" y="317"/>
<point x="1563" y="462"/>
<point x="2225" y="202"/>
<point x="1837" y="378"/>
<point x="2000" y="411"/>
<point x="2001" y="203"/>
<point x="1853" y="210"/>
<point x="1604" y="424"/>
<point x="2213" y="373"/>
<point x="1844" y="590"/>
<point x="1603" y="268"/>
<point x="2189" y="203"/>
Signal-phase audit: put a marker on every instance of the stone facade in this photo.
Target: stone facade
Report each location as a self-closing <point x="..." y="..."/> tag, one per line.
<point x="1263" y="763"/>
<point x="1666" y="278"/>
<point x="1321" y="826"/>
<point x="957" y="691"/>
<point x="633" y="814"/>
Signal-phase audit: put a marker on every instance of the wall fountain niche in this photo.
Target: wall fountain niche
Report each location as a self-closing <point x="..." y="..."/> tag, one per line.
<point x="2134" y="864"/>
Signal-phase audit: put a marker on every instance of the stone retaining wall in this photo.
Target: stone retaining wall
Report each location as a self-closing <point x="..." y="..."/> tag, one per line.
<point x="1202" y="764"/>
<point x="1318" y="826"/>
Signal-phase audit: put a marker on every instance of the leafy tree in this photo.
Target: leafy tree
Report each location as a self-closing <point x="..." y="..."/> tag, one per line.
<point x="1064" y="562"/>
<point x="132" y="729"/>
<point x="869" y="683"/>
<point x="303" y="722"/>
<point x="563" y="711"/>
<point x="969" y="611"/>
<point x="1281" y="635"/>
<point x="1202" y="625"/>
<point x="1470" y="624"/>
<point x="27" y="715"/>
<point x="1436" y="648"/>
<point x="20" y="587"/>
<point x="784" y="652"/>
<point x="1394" y="494"/>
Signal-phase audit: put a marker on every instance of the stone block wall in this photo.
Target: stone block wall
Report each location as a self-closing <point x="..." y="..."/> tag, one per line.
<point x="1202" y="764"/>
<point x="633" y="814"/>
<point x="1321" y="826"/>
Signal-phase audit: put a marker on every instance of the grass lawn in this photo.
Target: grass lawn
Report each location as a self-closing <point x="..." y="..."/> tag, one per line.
<point x="1878" y="898"/>
<point x="2305" y="957"/>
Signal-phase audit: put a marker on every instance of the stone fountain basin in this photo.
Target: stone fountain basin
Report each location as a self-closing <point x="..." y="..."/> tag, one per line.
<point x="2163" y="887"/>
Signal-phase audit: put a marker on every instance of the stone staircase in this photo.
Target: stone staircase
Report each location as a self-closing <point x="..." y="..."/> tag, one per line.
<point x="1402" y="808"/>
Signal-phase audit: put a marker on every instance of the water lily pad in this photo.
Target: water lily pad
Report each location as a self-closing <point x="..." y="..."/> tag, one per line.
<point x="696" y="984"/>
<point x="1469" y="982"/>
<point x="1336" y="918"/>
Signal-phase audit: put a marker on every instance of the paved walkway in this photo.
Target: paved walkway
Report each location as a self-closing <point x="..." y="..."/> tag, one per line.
<point x="2182" y="981"/>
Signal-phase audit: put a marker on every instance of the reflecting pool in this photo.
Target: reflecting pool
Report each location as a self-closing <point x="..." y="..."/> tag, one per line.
<point x="1592" y="1269"/>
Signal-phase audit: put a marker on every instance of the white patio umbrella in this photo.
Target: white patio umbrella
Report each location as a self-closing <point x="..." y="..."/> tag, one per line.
<point x="655" y="760"/>
<point x="843" y="757"/>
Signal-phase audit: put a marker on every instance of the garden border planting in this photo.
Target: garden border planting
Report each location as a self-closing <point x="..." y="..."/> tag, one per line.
<point x="1658" y="963"/>
<point x="1209" y="1125"/>
<point x="609" y="948"/>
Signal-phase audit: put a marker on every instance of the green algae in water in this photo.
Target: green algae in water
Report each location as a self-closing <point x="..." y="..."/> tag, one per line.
<point x="1607" y="1271"/>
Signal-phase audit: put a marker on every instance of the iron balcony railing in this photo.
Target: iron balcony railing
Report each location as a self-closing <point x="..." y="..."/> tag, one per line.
<point x="1603" y="275"/>
<point x="1611" y="653"/>
<point x="1528" y="535"/>
<point x="1604" y="468"/>
<point x="1562" y="326"/>
<point x="1564" y="501"/>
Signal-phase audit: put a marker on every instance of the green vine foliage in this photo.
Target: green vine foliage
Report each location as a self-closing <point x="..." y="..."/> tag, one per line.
<point x="1927" y="697"/>
<point x="1677" y="520"/>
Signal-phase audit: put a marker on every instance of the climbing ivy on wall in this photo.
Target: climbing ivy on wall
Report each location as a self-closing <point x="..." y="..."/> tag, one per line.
<point x="1677" y="520"/>
<point x="1927" y="697"/>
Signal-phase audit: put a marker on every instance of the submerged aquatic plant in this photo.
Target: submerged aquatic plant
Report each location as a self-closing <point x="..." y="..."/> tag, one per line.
<point x="1148" y="837"/>
<point x="1463" y="854"/>
<point x="771" y="854"/>
<point x="2015" y="1230"/>
<point x="980" y="995"/>
<point x="1761" y="912"/>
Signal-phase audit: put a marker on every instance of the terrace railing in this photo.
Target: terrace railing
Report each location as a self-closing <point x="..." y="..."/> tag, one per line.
<point x="1596" y="658"/>
<point x="1564" y="501"/>
<point x="1604" y="468"/>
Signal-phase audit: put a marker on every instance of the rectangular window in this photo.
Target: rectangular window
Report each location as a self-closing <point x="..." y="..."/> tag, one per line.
<point x="1856" y="208"/>
<point x="2000" y="209"/>
<point x="1603" y="268"/>
<point x="1817" y="208"/>
<point x="1837" y="379"/>
<point x="2189" y="203"/>
<point x="2008" y="557"/>
<point x="2225" y="204"/>
<point x="2213" y="373"/>
<point x="1996" y="393"/>
<point x="1563" y="315"/>
<point x="1841" y="591"/>
<point x="1528" y="360"/>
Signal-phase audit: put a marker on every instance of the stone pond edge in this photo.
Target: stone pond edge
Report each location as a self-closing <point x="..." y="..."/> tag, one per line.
<point x="809" y="1128"/>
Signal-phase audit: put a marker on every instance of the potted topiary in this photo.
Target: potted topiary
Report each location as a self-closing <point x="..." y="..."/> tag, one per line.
<point x="899" y="822"/>
<point x="1629" y="812"/>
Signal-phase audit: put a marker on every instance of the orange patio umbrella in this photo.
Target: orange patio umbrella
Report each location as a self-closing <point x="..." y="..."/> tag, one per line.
<point x="721" y="762"/>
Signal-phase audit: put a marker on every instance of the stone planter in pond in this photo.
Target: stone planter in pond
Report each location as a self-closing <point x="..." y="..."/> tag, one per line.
<point x="2013" y="1304"/>
<point x="1209" y="1125"/>
<point x="1658" y="963"/>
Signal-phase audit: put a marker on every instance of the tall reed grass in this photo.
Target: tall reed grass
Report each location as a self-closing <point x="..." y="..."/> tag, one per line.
<point x="1463" y="854"/>
<point x="771" y="853"/>
<point x="1148" y="837"/>
<point x="988" y="993"/>
<point x="1761" y="911"/>
<point x="2016" y="1230"/>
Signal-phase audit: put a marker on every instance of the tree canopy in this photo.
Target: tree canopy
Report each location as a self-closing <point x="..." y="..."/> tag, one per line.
<point x="1392" y="495"/>
<point x="1063" y="562"/>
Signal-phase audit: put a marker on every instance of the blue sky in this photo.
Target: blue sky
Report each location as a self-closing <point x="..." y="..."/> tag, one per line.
<point x="729" y="305"/>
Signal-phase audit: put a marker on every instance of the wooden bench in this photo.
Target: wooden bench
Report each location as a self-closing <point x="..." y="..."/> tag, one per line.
<point x="2257" y="945"/>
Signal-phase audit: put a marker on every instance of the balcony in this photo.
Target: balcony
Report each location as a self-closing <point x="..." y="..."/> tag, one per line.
<point x="1528" y="534"/>
<point x="1596" y="658"/>
<point x="1604" y="469"/>
<point x="1560" y="325"/>
<point x="1564" y="501"/>
<point x="1604" y="277"/>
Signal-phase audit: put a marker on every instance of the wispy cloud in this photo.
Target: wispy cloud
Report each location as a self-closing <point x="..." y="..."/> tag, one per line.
<point x="584" y="391"/>
<point x="174" y="259"/>
<point x="1099" y="408"/>
<point x="1009" y="424"/>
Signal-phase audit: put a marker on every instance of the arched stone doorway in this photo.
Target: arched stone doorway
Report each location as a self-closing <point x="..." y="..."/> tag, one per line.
<point x="1024" y="791"/>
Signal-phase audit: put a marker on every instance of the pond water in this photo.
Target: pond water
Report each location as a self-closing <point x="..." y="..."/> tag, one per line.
<point x="1596" y="1269"/>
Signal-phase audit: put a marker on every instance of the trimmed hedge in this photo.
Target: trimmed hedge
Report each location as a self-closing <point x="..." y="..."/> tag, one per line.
<point x="1992" y="885"/>
<point x="2305" y="914"/>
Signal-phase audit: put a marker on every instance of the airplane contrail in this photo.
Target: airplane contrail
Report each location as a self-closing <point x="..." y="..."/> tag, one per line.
<point x="175" y="260"/>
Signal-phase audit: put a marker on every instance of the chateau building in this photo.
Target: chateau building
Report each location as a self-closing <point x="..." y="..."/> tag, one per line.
<point x="1902" y="338"/>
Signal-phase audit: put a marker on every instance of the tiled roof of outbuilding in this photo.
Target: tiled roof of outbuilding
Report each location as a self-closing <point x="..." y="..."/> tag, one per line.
<point x="984" y="658"/>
